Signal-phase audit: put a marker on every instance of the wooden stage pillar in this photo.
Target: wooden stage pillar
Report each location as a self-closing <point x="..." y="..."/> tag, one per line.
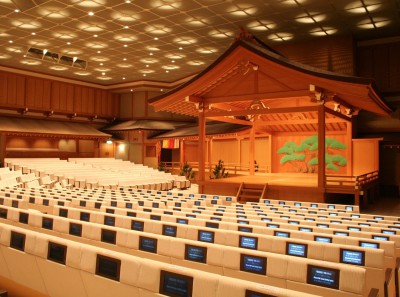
<point x="252" y="148"/>
<point x="209" y="154"/>
<point x="2" y="148"/>
<point x="202" y="150"/>
<point x="349" y="127"/>
<point x="321" y="147"/>
<point x="181" y="153"/>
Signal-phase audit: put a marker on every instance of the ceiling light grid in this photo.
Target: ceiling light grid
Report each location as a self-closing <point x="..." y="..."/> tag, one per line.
<point x="205" y="28"/>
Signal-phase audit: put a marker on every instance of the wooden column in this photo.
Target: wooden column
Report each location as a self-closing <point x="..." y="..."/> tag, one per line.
<point x="349" y="136"/>
<point x="181" y="153"/>
<point x="2" y="148"/>
<point x="209" y="156"/>
<point x="252" y="148"/>
<point x="143" y="146"/>
<point x="269" y="157"/>
<point x="202" y="149"/>
<point x="321" y="147"/>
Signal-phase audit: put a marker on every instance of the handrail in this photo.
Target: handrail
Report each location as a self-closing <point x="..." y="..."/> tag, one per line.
<point x="235" y="167"/>
<point x="357" y="181"/>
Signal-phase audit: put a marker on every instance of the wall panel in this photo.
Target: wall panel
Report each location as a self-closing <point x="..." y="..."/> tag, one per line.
<point x="380" y="62"/>
<point x="38" y="93"/>
<point x="328" y="53"/>
<point x="279" y="141"/>
<point x="77" y="98"/>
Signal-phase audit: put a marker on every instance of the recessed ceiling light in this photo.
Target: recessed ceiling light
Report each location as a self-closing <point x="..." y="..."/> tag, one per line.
<point x="126" y="27"/>
<point x="280" y="36"/>
<point x="181" y="48"/>
<point x="82" y="73"/>
<point x="90" y="13"/>
<point x="131" y="90"/>
<point x="144" y="74"/>
<point x="127" y="1"/>
<point x="10" y="41"/>
<point x="123" y="78"/>
<point x="17" y="10"/>
<point x="98" y="52"/>
<point x="101" y="64"/>
<point x="242" y="9"/>
<point x="166" y="71"/>
<point x="207" y="50"/>
<point x="95" y="35"/>
<point x="195" y="63"/>
<point x="221" y="33"/>
<point x="155" y="38"/>
<point x="103" y="73"/>
<point x="323" y="31"/>
<point x="173" y="61"/>
<point x="162" y="90"/>
<point x="147" y="65"/>
<point x="125" y="45"/>
<point x="373" y="23"/>
<point x="310" y="18"/>
<point x="360" y="7"/>
<point x="68" y="43"/>
<point x="261" y="25"/>
<point x="149" y="53"/>
<point x="33" y="33"/>
<point x="124" y="59"/>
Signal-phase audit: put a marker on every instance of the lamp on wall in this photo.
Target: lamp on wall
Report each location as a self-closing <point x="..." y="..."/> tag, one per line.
<point x="109" y="141"/>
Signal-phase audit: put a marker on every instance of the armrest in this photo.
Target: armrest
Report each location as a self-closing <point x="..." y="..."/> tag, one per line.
<point x="373" y="293"/>
<point x="388" y="275"/>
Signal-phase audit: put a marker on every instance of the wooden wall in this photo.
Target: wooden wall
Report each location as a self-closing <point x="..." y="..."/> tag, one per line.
<point x="38" y="94"/>
<point x="382" y="63"/>
<point x="334" y="53"/>
<point x="42" y="147"/>
<point x="279" y="140"/>
<point x="134" y="105"/>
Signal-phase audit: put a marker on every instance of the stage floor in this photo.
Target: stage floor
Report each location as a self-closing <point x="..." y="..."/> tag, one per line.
<point x="276" y="179"/>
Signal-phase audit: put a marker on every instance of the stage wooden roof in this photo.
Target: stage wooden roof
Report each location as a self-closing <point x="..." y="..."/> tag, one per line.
<point x="212" y="128"/>
<point x="150" y="125"/>
<point x="32" y="127"/>
<point x="249" y="76"/>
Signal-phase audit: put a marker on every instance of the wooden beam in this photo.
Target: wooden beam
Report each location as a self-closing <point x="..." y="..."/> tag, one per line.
<point x="297" y="122"/>
<point x="193" y="99"/>
<point x="212" y="113"/>
<point x="231" y="120"/>
<point x="259" y="96"/>
<point x="338" y="114"/>
<point x="224" y="106"/>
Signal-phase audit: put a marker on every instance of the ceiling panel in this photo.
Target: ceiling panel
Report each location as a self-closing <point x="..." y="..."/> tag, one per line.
<point x="123" y="35"/>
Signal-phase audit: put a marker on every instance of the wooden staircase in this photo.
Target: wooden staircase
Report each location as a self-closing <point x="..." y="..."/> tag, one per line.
<point x="251" y="192"/>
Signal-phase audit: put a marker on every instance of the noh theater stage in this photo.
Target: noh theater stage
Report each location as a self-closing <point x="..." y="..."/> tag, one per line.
<point x="296" y="120"/>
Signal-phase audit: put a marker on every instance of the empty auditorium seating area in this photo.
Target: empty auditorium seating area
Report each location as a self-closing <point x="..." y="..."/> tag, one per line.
<point x="149" y="242"/>
<point x="86" y="173"/>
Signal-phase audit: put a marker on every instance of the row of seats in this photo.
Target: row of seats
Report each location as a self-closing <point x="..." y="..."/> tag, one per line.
<point x="84" y="174"/>
<point x="317" y="250"/>
<point x="139" y="210"/>
<point x="58" y="267"/>
<point x="250" y="265"/>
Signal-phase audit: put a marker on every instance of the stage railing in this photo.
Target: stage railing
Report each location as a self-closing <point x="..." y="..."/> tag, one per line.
<point x="232" y="168"/>
<point x="355" y="182"/>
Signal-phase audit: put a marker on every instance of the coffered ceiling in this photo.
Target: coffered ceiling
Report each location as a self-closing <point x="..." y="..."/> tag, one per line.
<point x="112" y="42"/>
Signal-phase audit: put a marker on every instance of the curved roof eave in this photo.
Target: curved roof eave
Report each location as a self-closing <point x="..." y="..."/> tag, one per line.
<point x="276" y="58"/>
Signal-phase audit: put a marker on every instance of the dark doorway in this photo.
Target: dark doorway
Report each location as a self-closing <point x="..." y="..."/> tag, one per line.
<point x="166" y="155"/>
